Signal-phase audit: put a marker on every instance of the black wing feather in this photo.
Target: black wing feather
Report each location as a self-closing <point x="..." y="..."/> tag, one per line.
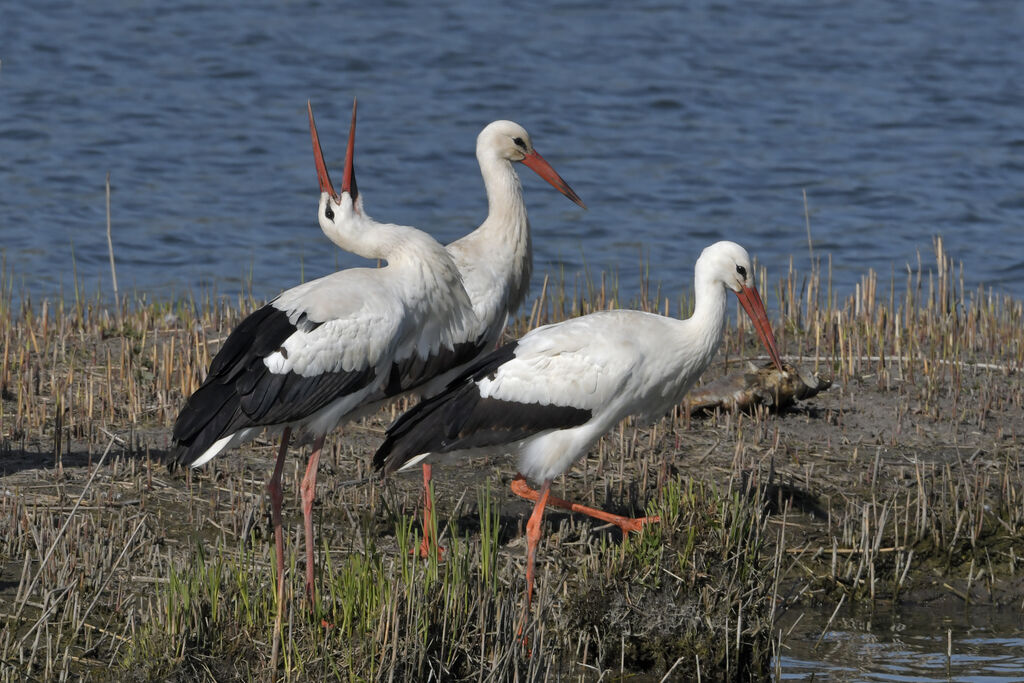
<point x="258" y="391"/>
<point x="240" y="391"/>
<point x="459" y="418"/>
<point x="261" y="333"/>
<point x="415" y="371"/>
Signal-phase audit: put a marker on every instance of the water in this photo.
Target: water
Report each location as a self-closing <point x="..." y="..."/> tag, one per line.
<point x="678" y="123"/>
<point x="983" y="644"/>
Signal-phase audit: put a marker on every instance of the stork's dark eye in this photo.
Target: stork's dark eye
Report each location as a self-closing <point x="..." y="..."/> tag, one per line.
<point x="329" y="213"/>
<point x="742" y="271"/>
<point x="519" y="142"/>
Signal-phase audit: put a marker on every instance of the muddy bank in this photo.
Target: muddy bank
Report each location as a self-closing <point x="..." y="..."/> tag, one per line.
<point x="900" y="484"/>
<point x="857" y="492"/>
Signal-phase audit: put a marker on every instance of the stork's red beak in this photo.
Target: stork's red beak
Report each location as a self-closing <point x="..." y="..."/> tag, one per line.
<point x="542" y="168"/>
<point x="318" y="156"/>
<point x="752" y="304"/>
<point x="348" y="180"/>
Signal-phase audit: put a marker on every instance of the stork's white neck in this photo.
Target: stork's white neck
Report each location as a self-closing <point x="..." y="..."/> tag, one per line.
<point x="392" y="243"/>
<point x="504" y="192"/>
<point x="707" y="324"/>
<point x="496" y="259"/>
<point x="357" y="233"/>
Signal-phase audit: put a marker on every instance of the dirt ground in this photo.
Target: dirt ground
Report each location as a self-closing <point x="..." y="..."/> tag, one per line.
<point x="858" y="443"/>
<point x="900" y="484"/>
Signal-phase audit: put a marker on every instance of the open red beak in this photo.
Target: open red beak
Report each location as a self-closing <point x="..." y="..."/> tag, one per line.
<point x="348" y="180"/>
<point x="542" y="168"/>
<point x="318" y="156"/>
<point x="752" y="304"/>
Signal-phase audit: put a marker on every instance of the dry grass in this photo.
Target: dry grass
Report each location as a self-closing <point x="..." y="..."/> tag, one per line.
<point x="901" y="483"/>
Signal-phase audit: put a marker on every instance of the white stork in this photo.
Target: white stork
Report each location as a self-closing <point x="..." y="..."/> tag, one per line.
<point x="549" y="396"/>
<point x="495" y="260"/>
<point x="332" y="349"/>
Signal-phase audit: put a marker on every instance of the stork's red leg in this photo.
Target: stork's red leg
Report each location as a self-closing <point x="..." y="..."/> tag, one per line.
<point x="276" y="498"/>
<point x="532" y="538"/>
<point x="428" y="516"/>
<point x="308" y="494"/>
<point x="627" y="524"/>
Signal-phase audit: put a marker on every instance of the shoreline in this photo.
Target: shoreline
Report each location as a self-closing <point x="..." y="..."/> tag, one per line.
<point x="900" y="484"/>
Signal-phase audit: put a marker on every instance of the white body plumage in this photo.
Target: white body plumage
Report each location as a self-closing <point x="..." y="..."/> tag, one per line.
<point x="549" y="396"/>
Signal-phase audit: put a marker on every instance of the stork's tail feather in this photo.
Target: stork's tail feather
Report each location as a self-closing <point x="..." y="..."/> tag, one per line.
<point x="203" y="423"/>
<point x="436" y="422"/>
<point x="422" y="429"/>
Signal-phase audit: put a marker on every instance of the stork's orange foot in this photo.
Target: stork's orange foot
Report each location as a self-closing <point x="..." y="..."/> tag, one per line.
<point x="424" y="551"/>
<point x="628" y="524"/>
<point x="522" y="489"/>
<point x="524" y="640"/>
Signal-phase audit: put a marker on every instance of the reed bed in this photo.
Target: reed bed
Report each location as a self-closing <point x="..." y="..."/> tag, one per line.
<point x="902" y="483"/>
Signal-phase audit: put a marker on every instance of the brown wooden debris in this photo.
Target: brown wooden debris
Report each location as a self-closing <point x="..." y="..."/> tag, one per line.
<point x="765" y="385"/>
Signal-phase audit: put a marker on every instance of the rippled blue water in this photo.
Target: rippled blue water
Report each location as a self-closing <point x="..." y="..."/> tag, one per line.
<point x="920" y="644"/>
<point x="678" y="123"/>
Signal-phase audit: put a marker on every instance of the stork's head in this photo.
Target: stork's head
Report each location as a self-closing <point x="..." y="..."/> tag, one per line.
<point x="729" y="264"/>
<point x="332" y="204"/>
<point x="505" y="139"/>
<point x="510" y="141"/>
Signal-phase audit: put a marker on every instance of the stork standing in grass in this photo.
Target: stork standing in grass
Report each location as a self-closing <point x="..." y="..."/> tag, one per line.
<point x="329" y="350"/>
<point x="549" y="396"/>
<point x="495" y="260"/>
